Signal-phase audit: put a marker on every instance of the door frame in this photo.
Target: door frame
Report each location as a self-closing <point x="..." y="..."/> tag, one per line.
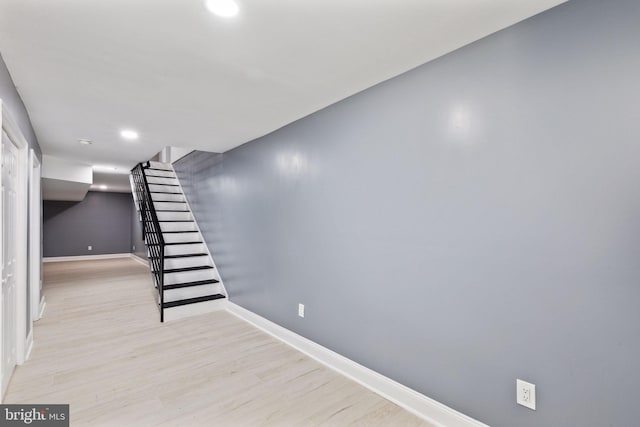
<point x="9" y="125"/>
<point x="36" y="300"/>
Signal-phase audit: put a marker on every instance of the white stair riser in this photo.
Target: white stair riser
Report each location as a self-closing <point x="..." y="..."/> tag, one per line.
<point x="163" y="197"/>
<point x="184" y="249"/>
<point x="182" y="311"/>
<point x="195" y="261"/>
<point x="189" y="276"/>
<point x="164" y="189"/>
<point x="178" y="226"/>
<point x="191" y="292"/>
<point x="160" y="180"/>
<point x="170" y="206"/>
<point x="174" y="216"/>
<point x="164" y="173"/>
<point x="158" y="165"/>
<point x="181" y="237"/>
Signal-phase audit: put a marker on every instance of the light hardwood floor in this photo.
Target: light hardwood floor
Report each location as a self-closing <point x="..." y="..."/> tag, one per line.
<point x="101" y="348"/>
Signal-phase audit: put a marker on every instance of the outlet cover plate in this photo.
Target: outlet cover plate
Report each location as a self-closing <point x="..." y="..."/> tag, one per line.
<point x="301" y="310"/>
<point x="526" y="394"/>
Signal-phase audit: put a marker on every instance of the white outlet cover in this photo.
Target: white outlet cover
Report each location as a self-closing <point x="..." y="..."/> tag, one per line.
<point x="89" y="248"/>
<point x="526" y="394"/>
<point x="301" y="310"/>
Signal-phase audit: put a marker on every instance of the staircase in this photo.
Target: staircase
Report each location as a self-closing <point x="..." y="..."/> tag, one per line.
<point x="182" y="268"/>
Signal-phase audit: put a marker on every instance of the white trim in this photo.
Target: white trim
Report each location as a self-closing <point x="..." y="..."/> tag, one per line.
<point x="139" y="259"/>
<point x="43" y="305"/>
<point x="35" y="235"/>
<point x="424" y="407"/>
<point x="84" y="257"/>
<point x="29" y="344"/>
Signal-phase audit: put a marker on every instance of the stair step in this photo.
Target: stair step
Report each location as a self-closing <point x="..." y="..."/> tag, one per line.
<point x="180" y="270"/>
<point x="192" y="300"/>
<point x="162" y="192"/>
<point x="159" y="165"/>
<point x="183" y="236"/>
<point x="168" y="197"/>
<point x="185" y="255"/>
<point x="170" y="205"/>
<point x="181" y="231"/>
<point x="189" y="284"/>
<point x="183" y="243"/>
<point x="175" y="216"/>
<point x="188" y="248"/>
<point x="176" y="220"/>
<point x="159" y="172"/>
<point x="161" y="180"/>
<point x="163" y="188"/>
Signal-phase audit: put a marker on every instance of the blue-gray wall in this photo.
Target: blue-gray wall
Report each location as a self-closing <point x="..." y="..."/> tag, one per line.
<point x="9" y="95"/>
<point x="473" y="221"/>
<point x="102" y="220"/>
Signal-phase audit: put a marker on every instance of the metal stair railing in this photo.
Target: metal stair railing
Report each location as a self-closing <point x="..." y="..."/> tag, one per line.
<point x="151" y="232"/>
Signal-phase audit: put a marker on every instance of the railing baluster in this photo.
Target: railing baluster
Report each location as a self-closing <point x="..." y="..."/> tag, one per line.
<point x="151" y="232"/>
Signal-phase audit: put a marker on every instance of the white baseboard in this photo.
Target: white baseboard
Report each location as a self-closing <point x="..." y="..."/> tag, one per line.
<point x="424" y="407"/>
<point x="139" y="259"/>
<point x="28" y="345"/>
<point x="84" y="257"/>
<point x="43" y="305"/>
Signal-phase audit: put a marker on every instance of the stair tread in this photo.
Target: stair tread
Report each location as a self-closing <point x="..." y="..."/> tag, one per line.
<point x="170" y="201"/>
<point x="186" y="255"/>
<point x="183" y="269"/>
<point x="156" y="169"/>
<point x="176" y="232"/>
<point x="189" y="284"/>
<point x="185" y="243"/>
<point x="168" y="185"/>
<point x="175" y="220"/>
<point x="171" y="210"/>
<point x="169" y="304"/>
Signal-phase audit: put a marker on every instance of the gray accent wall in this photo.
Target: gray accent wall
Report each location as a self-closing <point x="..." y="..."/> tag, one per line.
<point x="473" y="221"/>
<point x="102" y="220"/>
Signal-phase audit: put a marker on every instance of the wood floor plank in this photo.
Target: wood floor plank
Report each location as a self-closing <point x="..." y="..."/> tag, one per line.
<point x="101" y="348"/>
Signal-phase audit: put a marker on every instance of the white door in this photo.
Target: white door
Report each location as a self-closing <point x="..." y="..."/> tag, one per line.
<point x="9" y="217"/>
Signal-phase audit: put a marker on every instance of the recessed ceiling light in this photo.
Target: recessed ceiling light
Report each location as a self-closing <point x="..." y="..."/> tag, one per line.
<point x="85" y="141"/>
<point x="224" y="8"/>
<point x="103" y="187"/>
<point x="129" y="134"/>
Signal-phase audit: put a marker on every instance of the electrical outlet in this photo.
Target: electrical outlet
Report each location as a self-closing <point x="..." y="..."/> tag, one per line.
<point x="301" y="310"/>
<point x="526" y="394"/>
<point x="134" y="247"/>
<point x="89" y="248"/>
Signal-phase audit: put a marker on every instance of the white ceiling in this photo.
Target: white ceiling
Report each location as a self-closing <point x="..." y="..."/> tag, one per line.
<point x="183" y="77"/>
